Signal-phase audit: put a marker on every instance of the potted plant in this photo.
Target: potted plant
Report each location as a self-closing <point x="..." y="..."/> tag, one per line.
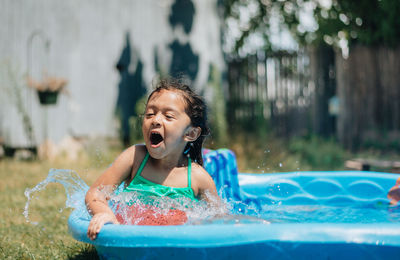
<point x="48" y="88"/>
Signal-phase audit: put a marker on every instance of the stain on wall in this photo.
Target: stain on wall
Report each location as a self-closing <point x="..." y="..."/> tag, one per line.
<point x="182" y="12"/>
<point x="130" y="89"/>
<point x="184" y="61"/>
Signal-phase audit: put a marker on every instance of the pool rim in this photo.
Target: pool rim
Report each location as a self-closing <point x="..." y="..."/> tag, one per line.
<point x="217" y="235"/>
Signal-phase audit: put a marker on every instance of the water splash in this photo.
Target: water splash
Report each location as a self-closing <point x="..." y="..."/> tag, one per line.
<point x="120" y="202"/>
<point x="235" y="212"/>
<point x="75" y="189"/>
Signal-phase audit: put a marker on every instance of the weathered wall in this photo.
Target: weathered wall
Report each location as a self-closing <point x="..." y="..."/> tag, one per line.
<point x="87" y="39"/>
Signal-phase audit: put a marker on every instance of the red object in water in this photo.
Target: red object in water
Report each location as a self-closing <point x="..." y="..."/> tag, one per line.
<point x="150" y="216"/>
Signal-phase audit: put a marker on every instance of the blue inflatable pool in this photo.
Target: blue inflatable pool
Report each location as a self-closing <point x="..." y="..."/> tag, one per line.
<point x="375" y="236"/>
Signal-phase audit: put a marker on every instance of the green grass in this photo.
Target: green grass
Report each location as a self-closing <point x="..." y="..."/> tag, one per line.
<point x="49" y="239"/>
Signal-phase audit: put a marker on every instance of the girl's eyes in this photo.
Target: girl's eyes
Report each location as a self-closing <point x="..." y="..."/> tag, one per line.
<point x="148" y="115"/>
<point x="168" y="116"/>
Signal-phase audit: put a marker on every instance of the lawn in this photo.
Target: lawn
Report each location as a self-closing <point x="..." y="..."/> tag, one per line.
<point x="49" y="239"/>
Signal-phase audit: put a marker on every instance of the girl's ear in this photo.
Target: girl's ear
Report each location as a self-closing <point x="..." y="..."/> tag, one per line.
<point x="192" y="134"/>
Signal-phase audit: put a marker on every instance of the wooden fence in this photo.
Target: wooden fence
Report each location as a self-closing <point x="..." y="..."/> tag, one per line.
<point x="292" y="94"/>
<point x="368" y="88"/>
<point x="271" y="92"/>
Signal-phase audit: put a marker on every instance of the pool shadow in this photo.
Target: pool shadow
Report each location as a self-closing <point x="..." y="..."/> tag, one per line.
<point x="87" y="253"/>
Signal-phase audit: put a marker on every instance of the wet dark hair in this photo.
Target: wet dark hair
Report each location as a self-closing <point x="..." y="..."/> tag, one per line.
<point x="195" y="108"/>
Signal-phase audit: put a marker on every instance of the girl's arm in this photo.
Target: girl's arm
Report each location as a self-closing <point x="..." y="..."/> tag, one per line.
<point x="98" y="194"/>
<point x="207" y="190"/>
<point x="394" y="193"/>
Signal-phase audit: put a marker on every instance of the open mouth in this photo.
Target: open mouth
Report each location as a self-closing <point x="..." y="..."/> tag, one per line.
<point x="155" y="139"/>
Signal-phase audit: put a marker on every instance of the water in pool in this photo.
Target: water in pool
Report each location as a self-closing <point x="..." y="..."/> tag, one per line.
<point x="331" y="214"/>
<point x="76" y="188"/>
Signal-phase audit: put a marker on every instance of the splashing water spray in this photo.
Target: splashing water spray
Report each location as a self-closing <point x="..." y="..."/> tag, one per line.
<point x="75" y="189"/>
<point x="120" y="202"/>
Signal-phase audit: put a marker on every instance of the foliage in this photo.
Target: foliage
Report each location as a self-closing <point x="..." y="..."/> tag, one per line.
<point x="135" y="122"/>
<point x="267" y="153"/>
<point x="217" y="107"/>
<point x="11" y="84"/>
<point x="52" y="84"/>
<point x="319" y="153"/>
<point x="135" y="128"/>
<point x="263" y="153"/>
<point x="387" y="141"/>
<point x="369" y="22"/>
<point x="257" y="22"/>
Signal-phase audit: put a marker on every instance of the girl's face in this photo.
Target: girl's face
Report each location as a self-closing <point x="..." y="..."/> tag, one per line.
<point x="166" y="125"/>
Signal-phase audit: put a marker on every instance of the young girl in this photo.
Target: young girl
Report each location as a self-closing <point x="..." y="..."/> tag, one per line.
<point x="169" y="164"/>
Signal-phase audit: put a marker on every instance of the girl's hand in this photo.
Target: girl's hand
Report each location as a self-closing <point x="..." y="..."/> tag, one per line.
<point x="97" y="222"/>
<point x="394" y="193"/>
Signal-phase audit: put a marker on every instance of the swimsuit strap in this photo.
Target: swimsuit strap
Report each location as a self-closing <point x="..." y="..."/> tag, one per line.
<point x="139" y="171"/>
<point x="189" y="172"/>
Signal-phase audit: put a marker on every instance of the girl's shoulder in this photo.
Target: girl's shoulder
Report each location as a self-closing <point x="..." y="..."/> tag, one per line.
<point x="137" y="153"/>
<point x="202" y="183"/>
<point x="198" y="169"/>
<point x="138" y="148"/>
<point x="132" y="155"/>
<point x="131" y="158"/>
<point x="200" y="176"/>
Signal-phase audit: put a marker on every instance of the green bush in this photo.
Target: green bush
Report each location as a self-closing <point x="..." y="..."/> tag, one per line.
<point x="385" y="141"/>
<point x="319" y="153"/>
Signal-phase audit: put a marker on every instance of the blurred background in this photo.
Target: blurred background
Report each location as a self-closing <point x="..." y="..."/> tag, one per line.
<point x="291" y="85"/>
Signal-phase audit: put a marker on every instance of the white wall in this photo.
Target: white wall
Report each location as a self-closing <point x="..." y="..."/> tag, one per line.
<point x="86" y="41"/>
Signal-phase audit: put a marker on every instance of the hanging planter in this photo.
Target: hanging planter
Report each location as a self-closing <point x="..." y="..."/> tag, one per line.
<point x="48" y="89"/>
<point x="47" y="97"/>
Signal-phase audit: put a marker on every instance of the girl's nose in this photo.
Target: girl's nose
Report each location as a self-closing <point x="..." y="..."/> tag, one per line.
<point x="156" y="119"/>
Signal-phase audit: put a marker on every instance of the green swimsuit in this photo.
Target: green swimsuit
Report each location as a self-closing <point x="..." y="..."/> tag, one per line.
<point x="149" y="188"/>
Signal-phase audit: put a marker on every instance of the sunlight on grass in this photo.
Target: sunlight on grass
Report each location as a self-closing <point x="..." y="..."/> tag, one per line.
<point x="49" y="239"/>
